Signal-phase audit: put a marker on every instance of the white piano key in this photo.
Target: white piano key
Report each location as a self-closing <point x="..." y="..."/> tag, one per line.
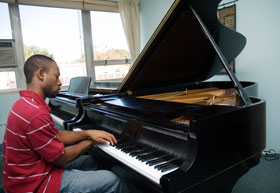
<point x="141" y="167"/>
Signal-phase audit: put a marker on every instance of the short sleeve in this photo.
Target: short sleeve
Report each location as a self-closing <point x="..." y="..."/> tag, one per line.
<point x="42" y="135"/>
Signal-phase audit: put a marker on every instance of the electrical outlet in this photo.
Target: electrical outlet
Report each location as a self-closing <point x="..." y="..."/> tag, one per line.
<point x="2" y="125"/>
<point x="2" y="130"/>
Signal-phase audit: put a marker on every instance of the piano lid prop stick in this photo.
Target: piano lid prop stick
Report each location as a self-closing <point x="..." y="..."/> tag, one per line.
<point x="247" y="101"/>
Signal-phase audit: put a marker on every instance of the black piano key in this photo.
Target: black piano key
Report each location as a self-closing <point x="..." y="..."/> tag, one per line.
<point x="154" y="154"/>
<point x="132" y="149"/>
<point x="155" y="162"/>
<point x="121" y="141"/>
<point x="168" y="167"/>
<point x="135" y="154"/>
<point x="144" y="151"/>
<point x="147" y="151"/>
<point x="147" y="157"/>
<point x="128" y="149"/>
<point x="120" y="146"/>
<point x="164" y="164"/>
<point x="131" y="153"/>
<point x="171" y="162"/>
<point x="161" y="157"/>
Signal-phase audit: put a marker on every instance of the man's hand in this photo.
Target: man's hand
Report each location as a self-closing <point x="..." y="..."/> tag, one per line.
<point x="78" y="142"/>
<point x="101" y="137"/>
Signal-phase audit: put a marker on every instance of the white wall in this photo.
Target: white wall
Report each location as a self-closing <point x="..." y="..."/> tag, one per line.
<point x="258" y="20"/>
<point x="151" y="13"/>
<point x="6" y="102"/>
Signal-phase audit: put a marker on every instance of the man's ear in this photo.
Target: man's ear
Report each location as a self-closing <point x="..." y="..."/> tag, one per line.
<point x="41" y="74"/>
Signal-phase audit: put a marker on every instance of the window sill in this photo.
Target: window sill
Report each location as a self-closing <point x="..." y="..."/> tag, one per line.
<point x="9" y="91"/>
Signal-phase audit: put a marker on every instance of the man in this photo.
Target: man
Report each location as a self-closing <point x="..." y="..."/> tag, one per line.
<point x="40" y="158"/>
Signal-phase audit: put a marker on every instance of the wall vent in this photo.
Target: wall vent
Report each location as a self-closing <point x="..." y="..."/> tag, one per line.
<point x="7" y="54"/>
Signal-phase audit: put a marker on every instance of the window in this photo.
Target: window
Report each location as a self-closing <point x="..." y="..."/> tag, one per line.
<point x="109" y="43"/>
<point x="54" y="32"/>
<point x="7" y="80"/>
<point x="5" y="27"/>
<point x="7" y="77"/>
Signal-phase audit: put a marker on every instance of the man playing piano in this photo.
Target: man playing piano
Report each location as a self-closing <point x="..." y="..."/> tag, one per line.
<point x="40" y="158"/>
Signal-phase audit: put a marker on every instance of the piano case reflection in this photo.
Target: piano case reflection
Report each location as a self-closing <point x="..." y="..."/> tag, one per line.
<point x="66" y="106"/>
<point x="176" y="131"/>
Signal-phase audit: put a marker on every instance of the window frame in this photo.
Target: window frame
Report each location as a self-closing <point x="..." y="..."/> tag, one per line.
<point x="13" y="7"/>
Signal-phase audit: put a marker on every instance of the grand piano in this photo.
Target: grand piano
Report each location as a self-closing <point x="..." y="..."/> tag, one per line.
<point x="66" y="107"/>
<point x="177" y="131"/>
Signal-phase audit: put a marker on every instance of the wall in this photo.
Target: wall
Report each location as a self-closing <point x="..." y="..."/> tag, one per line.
<point x="259" y="61"/>
<point x="6" y="102"/>
<point x="151" y="13"/>
<point x="258" y="21"/>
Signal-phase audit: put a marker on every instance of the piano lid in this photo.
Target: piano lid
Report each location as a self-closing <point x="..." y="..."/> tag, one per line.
<point x="179" y="51"/>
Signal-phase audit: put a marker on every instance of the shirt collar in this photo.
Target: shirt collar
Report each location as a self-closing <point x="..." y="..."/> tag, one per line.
<point x="39" y="100"/>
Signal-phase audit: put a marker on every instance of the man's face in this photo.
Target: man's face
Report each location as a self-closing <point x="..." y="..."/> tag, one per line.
<point x="52" y="83"/>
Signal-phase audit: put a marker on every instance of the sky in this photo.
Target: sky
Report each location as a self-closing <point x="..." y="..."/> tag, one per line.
<point x="58" y="30"/>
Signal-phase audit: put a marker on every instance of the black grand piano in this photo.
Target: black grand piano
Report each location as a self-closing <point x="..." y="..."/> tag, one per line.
<point x="176" y="131"/>
<point x="66" y="106"/>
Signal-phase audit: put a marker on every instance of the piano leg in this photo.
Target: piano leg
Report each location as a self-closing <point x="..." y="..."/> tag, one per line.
<point x="224" y="182"/>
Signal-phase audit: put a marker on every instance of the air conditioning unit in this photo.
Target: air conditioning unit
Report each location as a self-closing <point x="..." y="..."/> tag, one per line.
<point x="7" y="54"/>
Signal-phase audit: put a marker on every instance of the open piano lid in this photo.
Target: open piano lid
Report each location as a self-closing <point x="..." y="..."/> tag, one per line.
<point x="180" y="51"/>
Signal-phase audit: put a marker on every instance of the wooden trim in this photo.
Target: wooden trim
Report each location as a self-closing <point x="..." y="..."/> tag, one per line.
<point x="9" y="91"/>
<point x="7" y="1"/>
<point x="88" y="5"/>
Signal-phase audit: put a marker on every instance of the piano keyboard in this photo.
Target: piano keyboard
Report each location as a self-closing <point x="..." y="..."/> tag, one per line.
<point x="149" y="163"/>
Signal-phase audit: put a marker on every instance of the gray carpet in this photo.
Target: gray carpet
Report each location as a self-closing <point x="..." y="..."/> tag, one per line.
<point x="263" y="178"/>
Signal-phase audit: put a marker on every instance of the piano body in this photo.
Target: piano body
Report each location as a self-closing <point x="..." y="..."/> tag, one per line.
<point x="176" y="131"/>
<point x="66" y="106"/>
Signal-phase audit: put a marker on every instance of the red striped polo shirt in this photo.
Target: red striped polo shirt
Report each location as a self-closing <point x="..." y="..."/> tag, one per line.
<point x="30" y="145"/>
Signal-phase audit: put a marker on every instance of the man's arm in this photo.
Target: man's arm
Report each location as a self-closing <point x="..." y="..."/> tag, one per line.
<point x="79" y="142"/>
<point x="70" y="137"/>
<point x="72" y="152"/>
<point x="98" y="136"/>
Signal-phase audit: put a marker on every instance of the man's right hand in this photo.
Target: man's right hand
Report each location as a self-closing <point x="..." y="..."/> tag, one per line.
<point x="101" y="137"/>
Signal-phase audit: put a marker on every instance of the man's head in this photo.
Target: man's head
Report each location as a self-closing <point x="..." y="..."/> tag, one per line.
<point x="42" y="75"/>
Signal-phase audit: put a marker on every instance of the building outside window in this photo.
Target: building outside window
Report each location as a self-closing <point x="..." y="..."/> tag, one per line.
<point x="109" y="43"/>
